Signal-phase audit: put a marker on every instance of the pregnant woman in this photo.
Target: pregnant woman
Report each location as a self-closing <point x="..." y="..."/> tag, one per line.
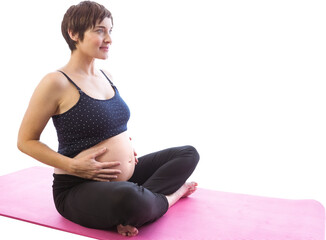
<point x="98" y="180"/>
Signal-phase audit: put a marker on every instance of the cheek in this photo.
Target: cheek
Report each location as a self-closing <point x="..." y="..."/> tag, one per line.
<point x="92" y="42"/>
<point x="97" y="41"/>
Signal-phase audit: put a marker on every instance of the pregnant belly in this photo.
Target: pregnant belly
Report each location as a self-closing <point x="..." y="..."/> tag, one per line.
<point x="119" y="149"/>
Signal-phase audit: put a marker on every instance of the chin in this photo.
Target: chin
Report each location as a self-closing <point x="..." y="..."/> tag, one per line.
<point x="102" y="56"/>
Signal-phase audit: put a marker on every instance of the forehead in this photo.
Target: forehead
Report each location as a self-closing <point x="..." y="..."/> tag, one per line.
<point x="107" y="23"/>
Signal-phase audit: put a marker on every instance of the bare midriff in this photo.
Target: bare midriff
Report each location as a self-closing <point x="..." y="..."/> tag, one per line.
<point x="119" y="149"/>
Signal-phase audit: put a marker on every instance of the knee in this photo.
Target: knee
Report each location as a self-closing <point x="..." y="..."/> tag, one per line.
<point x="193" y="154"/>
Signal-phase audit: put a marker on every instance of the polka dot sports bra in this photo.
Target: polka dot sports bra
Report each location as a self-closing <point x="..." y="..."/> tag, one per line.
<point x="90" y="121"/>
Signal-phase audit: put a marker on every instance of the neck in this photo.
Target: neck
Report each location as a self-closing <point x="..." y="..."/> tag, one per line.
<point x="81" y="64"/>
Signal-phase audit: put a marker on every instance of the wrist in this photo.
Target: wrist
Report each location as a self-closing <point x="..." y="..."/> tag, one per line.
<point x="71" y="166"/>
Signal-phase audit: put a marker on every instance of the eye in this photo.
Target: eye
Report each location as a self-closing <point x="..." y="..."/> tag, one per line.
<point x="100" y="30"/>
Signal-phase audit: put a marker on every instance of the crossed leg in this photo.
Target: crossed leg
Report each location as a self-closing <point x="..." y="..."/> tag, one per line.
<point x="186" y="190"/>
<point x="165" y="172"/>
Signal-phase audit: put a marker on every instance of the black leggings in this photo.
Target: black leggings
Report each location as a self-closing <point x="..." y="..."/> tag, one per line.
<point x="141" y="200"/>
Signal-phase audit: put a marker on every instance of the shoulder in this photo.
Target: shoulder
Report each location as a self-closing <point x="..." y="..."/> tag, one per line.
<point x="54" y="82"/>
<point x="52" y="85"/>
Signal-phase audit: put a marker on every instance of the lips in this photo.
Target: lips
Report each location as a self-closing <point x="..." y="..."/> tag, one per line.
<point x="104" y="48"/>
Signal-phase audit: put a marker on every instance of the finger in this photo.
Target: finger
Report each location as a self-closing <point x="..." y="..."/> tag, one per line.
<point x="109" y="164"/>
<point x="109" y="171"/>
<point x="98" y="152"/>
<point x="106" y="177"/>
<point x="101" y="180"/>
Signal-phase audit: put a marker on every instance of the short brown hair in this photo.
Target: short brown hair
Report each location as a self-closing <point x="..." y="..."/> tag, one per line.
<point x="82" y="17"/>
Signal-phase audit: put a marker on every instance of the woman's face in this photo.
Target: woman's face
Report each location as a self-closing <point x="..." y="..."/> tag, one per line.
<point x="97" y="40"/>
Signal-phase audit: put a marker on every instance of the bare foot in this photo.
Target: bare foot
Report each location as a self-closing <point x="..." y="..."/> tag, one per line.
<point x="186" y="190"/>
<point x="127" y="230"/>
<point x="192" y="187"/>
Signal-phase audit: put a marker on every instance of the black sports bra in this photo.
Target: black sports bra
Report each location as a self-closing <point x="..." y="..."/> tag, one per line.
<point x="90" y="121"/>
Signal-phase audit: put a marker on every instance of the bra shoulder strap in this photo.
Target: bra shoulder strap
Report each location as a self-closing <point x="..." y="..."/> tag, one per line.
<point x="70" y="80"/>
<point x="107" y="78"/>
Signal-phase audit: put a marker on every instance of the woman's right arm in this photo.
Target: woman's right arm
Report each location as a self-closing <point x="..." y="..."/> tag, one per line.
<point x="45" y="103"/>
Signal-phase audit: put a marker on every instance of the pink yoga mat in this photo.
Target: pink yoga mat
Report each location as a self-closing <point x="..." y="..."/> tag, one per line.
<point x="26" y="195"/>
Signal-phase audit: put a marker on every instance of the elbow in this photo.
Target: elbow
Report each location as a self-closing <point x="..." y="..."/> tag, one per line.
<point x="21" y="144"/>
<point x="20" y="141"/>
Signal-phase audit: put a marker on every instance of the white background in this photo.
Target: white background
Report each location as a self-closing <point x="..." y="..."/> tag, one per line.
<point x="242" y="81"/>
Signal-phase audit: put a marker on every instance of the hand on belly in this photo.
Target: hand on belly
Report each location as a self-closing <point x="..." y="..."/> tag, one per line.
<point x="122" y="155"/>
<point x="119" y="149"/>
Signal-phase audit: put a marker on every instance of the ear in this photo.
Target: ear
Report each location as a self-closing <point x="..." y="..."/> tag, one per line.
<point x="73" y="36"/>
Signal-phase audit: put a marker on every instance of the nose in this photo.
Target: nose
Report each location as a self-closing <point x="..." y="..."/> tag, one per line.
<point x="108" y="39"/>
